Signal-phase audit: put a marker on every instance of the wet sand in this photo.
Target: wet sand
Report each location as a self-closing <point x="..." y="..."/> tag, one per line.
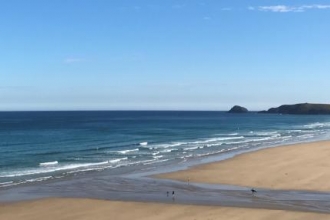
<point x="293" y="167"/>
<point x="303" y="166"/>
<point x="85" y="209"/>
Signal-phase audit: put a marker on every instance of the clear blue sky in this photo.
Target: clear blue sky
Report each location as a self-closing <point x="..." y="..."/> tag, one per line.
<point x="148" y="54"/>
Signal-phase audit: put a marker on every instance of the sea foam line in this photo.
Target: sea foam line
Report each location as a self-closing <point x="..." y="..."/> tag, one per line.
<point x="217" y="139"/>
<point x="192" y="148"/>
<point x="50" y="169"/>
<point x="52" y="163"/>
<point x="128" y="151"/>
<point x="6" y="183"/>
<point x="175" y="144"/>
<point x="317" y="125"/>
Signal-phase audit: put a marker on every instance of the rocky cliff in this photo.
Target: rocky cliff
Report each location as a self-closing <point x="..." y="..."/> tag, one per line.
<point x="301" y="109"/>
<point x="238" y="109"/>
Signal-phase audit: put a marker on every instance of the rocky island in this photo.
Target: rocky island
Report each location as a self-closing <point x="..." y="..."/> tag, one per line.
<point x="301" y="109"/>
<point x="238" y="109"/>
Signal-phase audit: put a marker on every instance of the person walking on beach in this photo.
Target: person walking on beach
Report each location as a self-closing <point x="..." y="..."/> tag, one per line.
<point x="173" y="197"/>
<point x="167" y="193"/>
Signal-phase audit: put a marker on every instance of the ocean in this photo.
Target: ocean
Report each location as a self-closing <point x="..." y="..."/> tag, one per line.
<point x="42" y="146"/>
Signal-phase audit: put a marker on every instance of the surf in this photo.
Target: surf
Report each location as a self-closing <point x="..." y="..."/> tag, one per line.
<point x="52" y="163"/>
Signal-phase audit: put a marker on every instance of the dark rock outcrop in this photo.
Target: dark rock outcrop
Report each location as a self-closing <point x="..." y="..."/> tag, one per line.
<point x="238" y="109"/>
<point x="301" y="109"/>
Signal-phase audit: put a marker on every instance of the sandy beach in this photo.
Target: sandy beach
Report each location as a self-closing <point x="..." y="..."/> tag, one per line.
<point x="85" y="209"/>
<point x="301" y="166"/>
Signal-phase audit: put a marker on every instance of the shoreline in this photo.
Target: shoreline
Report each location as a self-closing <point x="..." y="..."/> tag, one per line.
<point x="176" y="164"/>
<point x="159" y="171"/>
<point x="240" y="167"/>
<point x="271" y="201"/>
<point x="214" y="158"/>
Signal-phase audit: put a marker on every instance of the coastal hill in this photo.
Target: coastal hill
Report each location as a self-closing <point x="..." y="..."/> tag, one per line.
<point x="238" y="109"/>
<point x="301" y="109"/>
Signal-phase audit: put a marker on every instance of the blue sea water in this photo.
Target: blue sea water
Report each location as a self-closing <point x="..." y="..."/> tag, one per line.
<point x="37" y="146"/>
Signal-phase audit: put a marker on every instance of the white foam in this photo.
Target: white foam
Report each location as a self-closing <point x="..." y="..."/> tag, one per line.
<point x="191" y="148"/>
<point x="212" y="145"/>
<point x="239" y="142"/>
<point x="286" y="137"/>
<point x="266" y="138"/>
<point x="294" y="130"/>
<point x="216" y="152"/>
<point x="262" y="139"/>
<point x="166" y="151"/>
<point x="233" y="148"/>
<point x="204" y="142"/>
<point x="6" y="183"/>
<point x="154" y="161"/>
<point x="128" y="151"/>
<point x="224" y="134"/>
<point x="39" y="179"/>
<point x="217" y="139"/>
<point x="10" y="184"/>
<point x="117" y="160"/>
<point x="266" y="133"/>
<point x="175" y="144"/>
<point x="317" y="125"/>
<point x="232" y="134"/>
<point x="52" y="163"/>
<point x="147" y="161"/>
<point x="187" y="156"/>
<point x="84" y="170"/>
<point x="143" y="143"/>
<point x="306" y="136"/>
<point x="49" y="169"/>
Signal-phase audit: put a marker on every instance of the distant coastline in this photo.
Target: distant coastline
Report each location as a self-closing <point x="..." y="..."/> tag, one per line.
<point x="300" y="109"/>
<point x="292" y="109"/>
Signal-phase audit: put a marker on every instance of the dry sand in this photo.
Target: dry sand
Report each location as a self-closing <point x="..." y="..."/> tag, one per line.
<point x="300" y="166"/>
<point x="87" y="209"/>
<point x="303" y="166"/>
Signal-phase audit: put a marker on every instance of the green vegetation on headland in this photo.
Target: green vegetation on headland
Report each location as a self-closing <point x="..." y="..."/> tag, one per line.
<point x="301" y="109"/>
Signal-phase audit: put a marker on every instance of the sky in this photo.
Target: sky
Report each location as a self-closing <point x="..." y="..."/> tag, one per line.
<point x="163" y="54"/>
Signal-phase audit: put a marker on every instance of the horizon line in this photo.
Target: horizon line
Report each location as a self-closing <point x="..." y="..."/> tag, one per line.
<point x="124" y="110"/>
